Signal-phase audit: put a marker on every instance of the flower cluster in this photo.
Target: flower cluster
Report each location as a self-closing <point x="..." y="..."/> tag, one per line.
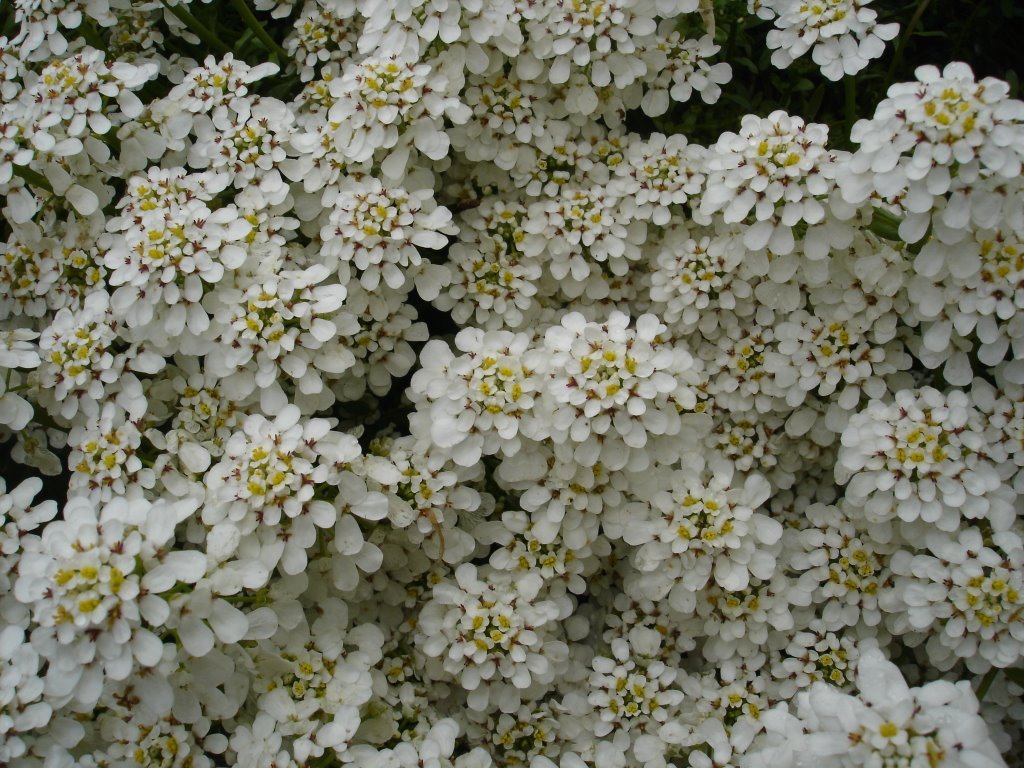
<point x="413" y="389"/>
<point x="842" y="35"/>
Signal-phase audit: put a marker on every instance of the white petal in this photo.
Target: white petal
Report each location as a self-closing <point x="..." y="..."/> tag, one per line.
<point x="228" y="622"/>
<point x="84" y="200"/>
<point x="194" y="457"/>
<point x="147" y="648"/>
<point x="195" y="636"/>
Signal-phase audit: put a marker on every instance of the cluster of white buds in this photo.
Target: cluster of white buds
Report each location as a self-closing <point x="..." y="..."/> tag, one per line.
<point x="440" y="384"/>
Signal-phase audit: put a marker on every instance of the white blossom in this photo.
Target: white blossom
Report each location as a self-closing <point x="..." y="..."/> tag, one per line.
<point x="842" y="35"/>
<point x="887" y="723"/>
<point x="945" y="125"/>
<point x="918" y="458"/>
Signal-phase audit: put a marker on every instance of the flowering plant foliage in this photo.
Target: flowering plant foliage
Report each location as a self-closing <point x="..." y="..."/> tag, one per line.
<point x="413" y="388"/>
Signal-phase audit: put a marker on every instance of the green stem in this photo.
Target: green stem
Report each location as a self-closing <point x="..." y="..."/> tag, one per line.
<point x="328" y="758"/>
<point x="916" y="248"/>
<point x="111" y="140"/>
<point x="201" y="30"/>
<point x="43" y="419"/>
<point x="850" y="101"/>
<point x="730" y="42"/>
<point x="33" y="177"/>
<point x="258" y="29"/>
<point x="966" y="28"/>
<point x="43" y="208"/>
<point x="922" y="6"/>
<point x="707" y="14"/>
<point x="884" y="224"/>
<point x="243" y="41"/>
<point x="814" y="104"/>
<point x="7" y="27"/>
<point x="92" y="35"/>
<point x="179" y="588"/>
<point x="986" y="682"/>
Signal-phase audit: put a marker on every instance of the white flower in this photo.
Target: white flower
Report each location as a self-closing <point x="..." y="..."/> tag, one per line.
<point x="918" y="458"/>
<point x="681" y="68"/>
<point x="265" y="483"/>
<point x="845" y="570"/>
<point x="85" y="590"/>
<point x="19" y="523"/>
<point x="321" y="161"/>
<point x="171" y="250"/>
<point x="720" y="713"/>
<point x="422" y="400"/>
<point x="520" y="736"/>
<point x="660" y="172"/>
<point x="313" y="682"/>
<point x="842" y="35"/>
<point x="695" y="278"/>
<point x="22" y="706"/>
<point x="379" y="229"/>
<point x="707" y="523"/>
<point x="776" y="168"/>
<point x="104" y="460"/>
<point x="944" y="125"/>
<point x="200" y="618"/>
<point x="40" y="22"/>
<point x="968" y="595"/>
<point x="135" y="33"/>
<point x="474" y="403"/>
<point x="68" y="100"/>
<point x="582" y="231"/>
<point x="164" y="744"/>
<point x="972" y="288"/>
<point x="41" y="273"/>
<point x="410" y="27"/>
<point x="736" y="624"/>
<point x="259" y="744"/>
<point x="203" y="420"/>
<point x="832" y="358"/>
<point x="16" y="351"/>
<point x="77" y="356"/>
<point x="887" y="723"/>
<point x="742" y="368"/>
<point x="249" y="142"/>
<point x="567" y="499"/>
<point x="491" y="634"/>
<point x="558" y="159"/>
<point x="625" y="695"/>
<point x="283" y="325"/>
<point x="1004" y="409"/>
<point x="507" y="114"/>
<point x="382" y="98"/>
<point x="607" y="381"/>
<point x="866" y="286"/>
<point x="381" y="344"/>
<point x="752" y="440"/>
<point x="491" y="281"/>
<point x="599" y="38"/>
<point x="215" y="83"/>
<point x="32" y="448"/>
<point x="423" y="486"/>
<point x="817" y="654"/>
<point x="521" y="551"/>
<point x="432" y="749"/>
<point x="322" y="34"/>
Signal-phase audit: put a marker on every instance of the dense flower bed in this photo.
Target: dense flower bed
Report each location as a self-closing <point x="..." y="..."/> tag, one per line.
<point x="404" y="398"/>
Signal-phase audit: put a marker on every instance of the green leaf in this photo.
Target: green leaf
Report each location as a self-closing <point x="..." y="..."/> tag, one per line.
<point x="747" y="64"/>
<point x="1016" y="675"/>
